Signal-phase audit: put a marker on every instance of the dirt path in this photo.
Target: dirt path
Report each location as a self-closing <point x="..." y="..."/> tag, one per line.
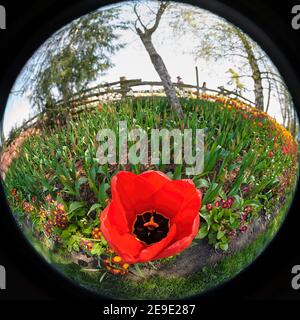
<point x="202" y="254"/>
<point x="193" y="259"/>
<point x="13" y="149"/>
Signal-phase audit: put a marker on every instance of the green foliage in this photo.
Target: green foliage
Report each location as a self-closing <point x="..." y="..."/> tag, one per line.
<point x="62" y="163"/>
<point x="225" y="220"/>
<point x="73" y="56"/>
<point x="159" y="287"/>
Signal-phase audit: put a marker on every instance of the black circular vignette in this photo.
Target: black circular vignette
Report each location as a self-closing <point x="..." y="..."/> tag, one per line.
<point x="30" y="24"/>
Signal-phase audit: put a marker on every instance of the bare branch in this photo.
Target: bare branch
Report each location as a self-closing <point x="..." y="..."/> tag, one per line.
<point x="235" y="54"/>
<point x="138" y="19"/>
<point x="277" y="80"/>
<point x="162" y="8"/>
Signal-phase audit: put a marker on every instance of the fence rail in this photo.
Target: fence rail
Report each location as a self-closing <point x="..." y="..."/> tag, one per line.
<point x="124" y="87"/>
<point x="85" y="98"/>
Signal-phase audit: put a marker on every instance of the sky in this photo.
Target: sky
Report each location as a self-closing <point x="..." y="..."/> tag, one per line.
<point x="134" y="63"/>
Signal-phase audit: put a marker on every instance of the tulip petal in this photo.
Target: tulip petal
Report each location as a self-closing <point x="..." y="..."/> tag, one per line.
<point x="169" y="199"/>
<point x="189" y="190"/>
<point x="187" y="213"/>
<point x="156" y="178"/>
<point x="180" y="244"/>
<point x="150" y="252"/>
<point x="125" y="245"/>
<point x="134" y="193"/>
<point x="117" y="216"/>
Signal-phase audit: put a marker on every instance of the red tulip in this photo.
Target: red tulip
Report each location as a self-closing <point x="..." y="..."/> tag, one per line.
<point x="271" y="154"/>
<point x="150" y="216"/>
<point x="285" y="149"/>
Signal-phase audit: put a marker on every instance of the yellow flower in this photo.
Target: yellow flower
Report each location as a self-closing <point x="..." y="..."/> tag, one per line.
<point x="116" y="259"/>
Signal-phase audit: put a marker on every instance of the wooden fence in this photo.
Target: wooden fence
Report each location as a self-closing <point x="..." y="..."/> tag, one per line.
<point x="123" y="87"/>
<point x="86" y="99"/>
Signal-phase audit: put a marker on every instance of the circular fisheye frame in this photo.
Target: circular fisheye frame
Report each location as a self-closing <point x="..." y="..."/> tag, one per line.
<point x="149" y="150"/>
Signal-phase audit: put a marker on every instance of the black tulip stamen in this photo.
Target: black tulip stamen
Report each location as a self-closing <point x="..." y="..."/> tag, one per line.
<point x="150" y="227"/>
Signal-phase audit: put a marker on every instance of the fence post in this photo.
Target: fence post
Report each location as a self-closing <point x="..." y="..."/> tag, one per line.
<point x="123" y="86"/>
<point x="197" y="78"/>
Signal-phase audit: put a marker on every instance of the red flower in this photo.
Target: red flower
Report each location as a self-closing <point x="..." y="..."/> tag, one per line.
<point x="243" y="229"/>
<point x="230" y="201"/>
<point x="285" y="149"/>
<point x="209" y="207"/>
<point x="150" y="216"/>
<point x="271" y="154"/>
<point x="217" y="204"/>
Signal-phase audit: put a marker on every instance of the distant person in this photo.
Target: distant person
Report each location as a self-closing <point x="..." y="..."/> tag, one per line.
<point x="179" y="80"/>
<point x="180" y="90"/>
<point x="204" y="88"/>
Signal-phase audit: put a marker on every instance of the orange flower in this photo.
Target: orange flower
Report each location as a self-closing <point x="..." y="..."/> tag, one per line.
<point x="96" y="234"/>
<point x="27" y="207"/>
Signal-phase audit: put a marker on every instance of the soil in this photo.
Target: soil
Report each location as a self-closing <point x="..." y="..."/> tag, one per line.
<point x="201" y="254"/>
<point x="12" y="150"/>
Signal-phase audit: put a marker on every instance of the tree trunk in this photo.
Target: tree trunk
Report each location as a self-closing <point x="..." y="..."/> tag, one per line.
<point x="163" y="73"/>
<point x="256" y="74"/>
<point x="269" y="97"/>
<point x="157" y="61"/>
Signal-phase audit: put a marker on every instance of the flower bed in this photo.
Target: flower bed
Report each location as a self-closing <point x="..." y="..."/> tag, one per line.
<point x="57" y="185"/>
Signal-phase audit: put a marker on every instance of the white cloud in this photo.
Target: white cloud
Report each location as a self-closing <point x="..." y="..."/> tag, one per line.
<point x="17" y="110"/>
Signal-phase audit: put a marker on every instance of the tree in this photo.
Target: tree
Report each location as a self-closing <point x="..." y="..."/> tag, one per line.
<point x="217" y="39"/>
<point x="72" y="57"/>
<point x="236" y="81"/>
<point x="278" y="88"/>
<point x="145" y="33"/>
<point x="253" y="62"/>
<point x="288" y="112"/>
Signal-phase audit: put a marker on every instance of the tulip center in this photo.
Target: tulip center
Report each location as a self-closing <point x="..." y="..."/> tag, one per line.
<point x="150" y="227"/>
